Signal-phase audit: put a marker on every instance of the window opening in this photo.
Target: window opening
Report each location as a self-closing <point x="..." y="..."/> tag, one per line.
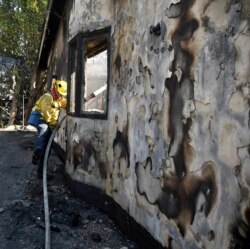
<point x="89" y="56"/>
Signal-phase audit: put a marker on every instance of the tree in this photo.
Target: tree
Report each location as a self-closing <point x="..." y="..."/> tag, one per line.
<point x="20" y="33"/>
<point x="11" y="70"/>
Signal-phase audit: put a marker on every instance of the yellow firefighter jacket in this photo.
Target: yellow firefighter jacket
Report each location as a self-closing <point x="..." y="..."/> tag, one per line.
<point x="49" y="108"/>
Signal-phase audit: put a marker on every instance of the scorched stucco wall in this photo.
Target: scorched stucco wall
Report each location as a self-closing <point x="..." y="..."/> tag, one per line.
<point x="174" y="151"/>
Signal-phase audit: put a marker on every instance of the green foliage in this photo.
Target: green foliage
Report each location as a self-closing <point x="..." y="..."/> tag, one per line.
<point x="20" y="28"/>
<point x="21" y="23"/>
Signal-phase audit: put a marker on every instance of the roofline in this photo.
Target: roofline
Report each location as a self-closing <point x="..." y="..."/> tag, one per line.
<point x="48" y="11"/>
<point x="51" y="25"/>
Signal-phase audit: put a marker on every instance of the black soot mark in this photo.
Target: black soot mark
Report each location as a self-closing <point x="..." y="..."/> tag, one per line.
<point x="120" y="146"/>
<point x="181" y="89"/>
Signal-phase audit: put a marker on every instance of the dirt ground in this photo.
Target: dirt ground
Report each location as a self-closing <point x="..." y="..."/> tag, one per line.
<point x="75" y="224"/>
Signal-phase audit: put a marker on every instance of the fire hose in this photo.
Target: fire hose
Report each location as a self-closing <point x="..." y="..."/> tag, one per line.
<point x="45" y="187"/>
<point x="45" y="164"/>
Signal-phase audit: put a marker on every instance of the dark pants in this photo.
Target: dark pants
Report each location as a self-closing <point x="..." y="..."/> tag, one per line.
<point x="44" y="133"/>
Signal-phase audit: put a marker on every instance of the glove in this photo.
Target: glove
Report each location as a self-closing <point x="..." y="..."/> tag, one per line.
<point x="62" y="103"/>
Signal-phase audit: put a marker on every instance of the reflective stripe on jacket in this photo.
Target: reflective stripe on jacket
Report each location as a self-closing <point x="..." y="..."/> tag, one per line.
<point x="49" y="109"/>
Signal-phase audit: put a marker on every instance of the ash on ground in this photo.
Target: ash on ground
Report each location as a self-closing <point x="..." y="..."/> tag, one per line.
<point x="75" y="224"/>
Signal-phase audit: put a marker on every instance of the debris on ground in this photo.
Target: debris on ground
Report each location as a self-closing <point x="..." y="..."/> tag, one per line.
<point x="75" y="224"/>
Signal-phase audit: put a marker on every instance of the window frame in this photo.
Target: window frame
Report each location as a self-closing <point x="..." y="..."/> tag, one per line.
<point x="78" y="42"/>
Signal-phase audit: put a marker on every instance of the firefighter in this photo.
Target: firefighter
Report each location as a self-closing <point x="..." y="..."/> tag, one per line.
<point x="44" y="117"/>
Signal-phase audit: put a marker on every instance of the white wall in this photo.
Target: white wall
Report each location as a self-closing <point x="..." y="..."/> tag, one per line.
<point x="174" y="151"/>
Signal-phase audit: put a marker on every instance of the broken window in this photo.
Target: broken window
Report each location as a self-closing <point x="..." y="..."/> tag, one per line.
<point x="89" y="74"/>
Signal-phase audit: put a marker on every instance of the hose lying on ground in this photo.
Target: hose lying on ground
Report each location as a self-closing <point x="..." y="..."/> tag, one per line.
<point x="45" y="188"/>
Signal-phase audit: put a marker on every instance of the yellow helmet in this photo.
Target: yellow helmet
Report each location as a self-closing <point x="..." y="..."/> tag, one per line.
<point x="61" y="87"/>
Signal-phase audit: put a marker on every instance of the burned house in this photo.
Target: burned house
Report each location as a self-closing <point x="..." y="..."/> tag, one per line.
<point x="157" y="128"/>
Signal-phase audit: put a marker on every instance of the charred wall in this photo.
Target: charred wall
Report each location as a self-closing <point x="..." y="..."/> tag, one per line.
<point x="174" y="151"/>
